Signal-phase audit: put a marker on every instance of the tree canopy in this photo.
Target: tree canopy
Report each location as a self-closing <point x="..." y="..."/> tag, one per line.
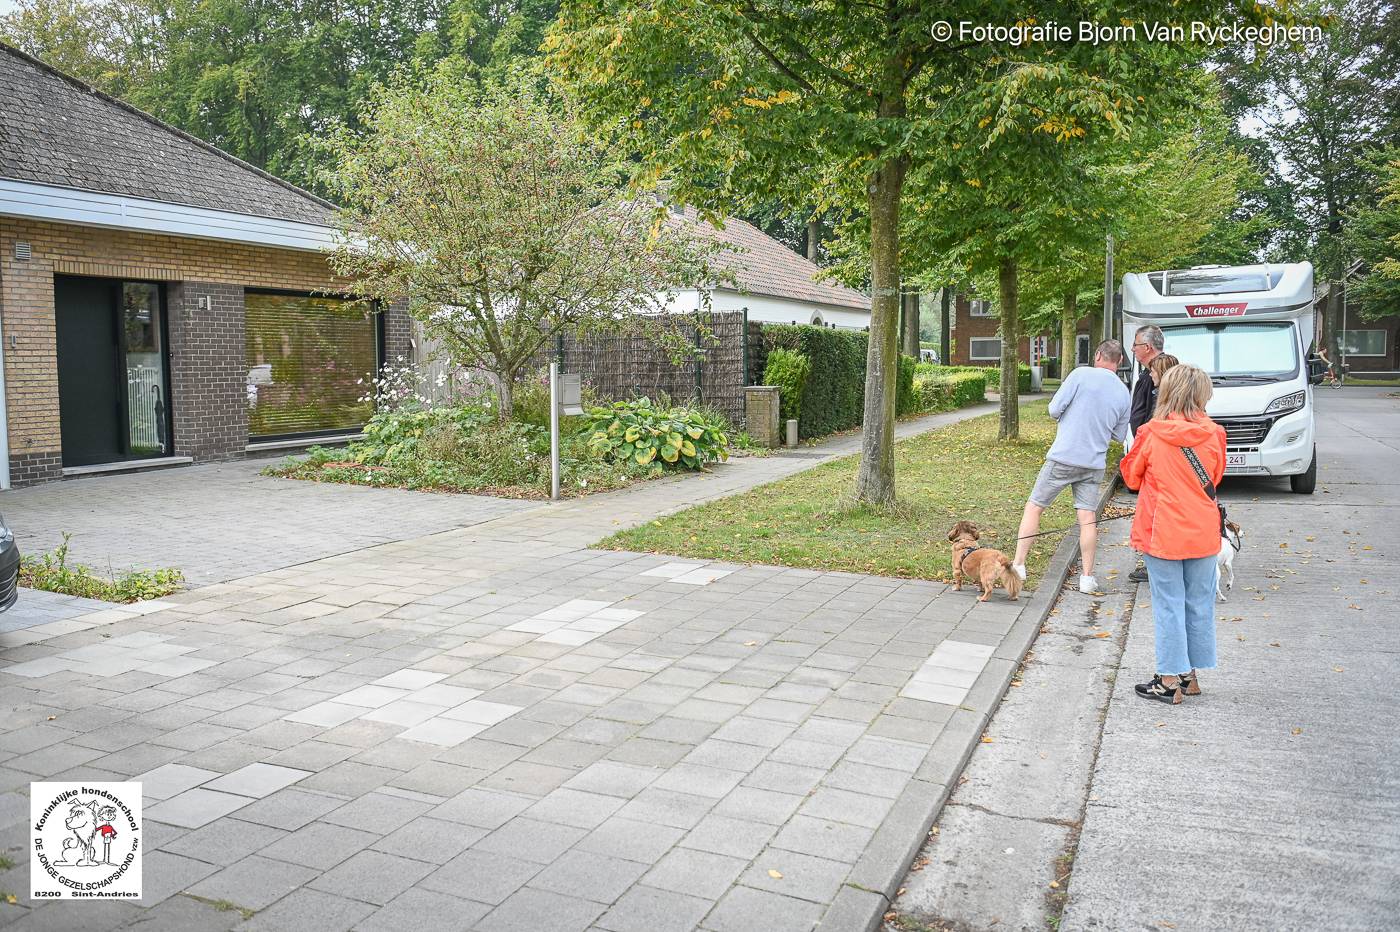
<point x="502" y="224"/>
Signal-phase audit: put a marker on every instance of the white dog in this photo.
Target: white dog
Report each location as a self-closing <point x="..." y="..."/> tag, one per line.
<point x="1230" y="543"/>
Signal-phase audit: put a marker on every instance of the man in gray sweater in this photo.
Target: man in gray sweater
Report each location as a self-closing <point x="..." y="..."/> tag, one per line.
<point x="1092" y="408"/>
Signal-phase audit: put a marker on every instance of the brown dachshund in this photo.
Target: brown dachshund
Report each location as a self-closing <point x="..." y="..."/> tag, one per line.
<point x="982" y="564"/>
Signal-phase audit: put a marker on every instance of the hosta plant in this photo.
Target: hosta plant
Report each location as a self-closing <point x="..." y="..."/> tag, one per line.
<point x="660" y="437"/>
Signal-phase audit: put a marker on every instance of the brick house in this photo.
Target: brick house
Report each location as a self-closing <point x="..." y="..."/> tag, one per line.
<point x="161" y="302"/>
<point x="977" y="342"/>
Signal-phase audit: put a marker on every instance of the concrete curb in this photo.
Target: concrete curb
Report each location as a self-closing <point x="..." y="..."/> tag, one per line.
<point x="861" y="903"/>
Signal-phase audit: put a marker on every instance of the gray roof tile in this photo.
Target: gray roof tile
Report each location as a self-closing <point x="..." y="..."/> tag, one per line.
<point x="763" y="266"/>
<point x="56" y="130"/>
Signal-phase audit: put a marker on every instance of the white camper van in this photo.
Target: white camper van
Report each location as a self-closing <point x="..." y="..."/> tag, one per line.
<point x="1250" y="327"/>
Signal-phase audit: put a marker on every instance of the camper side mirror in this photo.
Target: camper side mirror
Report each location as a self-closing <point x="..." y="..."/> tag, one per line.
<point x="1317" y="370"/>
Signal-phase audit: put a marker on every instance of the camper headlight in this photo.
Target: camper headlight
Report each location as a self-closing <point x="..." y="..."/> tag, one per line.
<point x="1286" y="403"/>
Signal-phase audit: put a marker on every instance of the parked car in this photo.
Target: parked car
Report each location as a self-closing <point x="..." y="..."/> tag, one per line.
<point x="928" y="355"/>
<point x="9" y="567"/>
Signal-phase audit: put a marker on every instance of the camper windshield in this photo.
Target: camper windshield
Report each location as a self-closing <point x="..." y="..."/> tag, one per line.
<point x="1237" y="351"/>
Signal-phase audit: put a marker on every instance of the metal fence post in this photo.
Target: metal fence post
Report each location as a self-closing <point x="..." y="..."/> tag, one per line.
<point x="699" y="388"/>
<point x="554" y="431"/>
<point x="746" y="348"/>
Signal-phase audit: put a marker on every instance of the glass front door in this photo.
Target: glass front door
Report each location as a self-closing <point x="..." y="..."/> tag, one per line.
<point x="143" y="347"/>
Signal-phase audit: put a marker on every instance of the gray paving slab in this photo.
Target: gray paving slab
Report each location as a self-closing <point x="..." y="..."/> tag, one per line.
<point x="339" y="696"/>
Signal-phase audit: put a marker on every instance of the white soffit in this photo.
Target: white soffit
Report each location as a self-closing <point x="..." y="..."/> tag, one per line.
<point x="120" y="212"/>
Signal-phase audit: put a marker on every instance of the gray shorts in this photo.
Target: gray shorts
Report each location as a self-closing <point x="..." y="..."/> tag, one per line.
<point x="1055" y="476"/>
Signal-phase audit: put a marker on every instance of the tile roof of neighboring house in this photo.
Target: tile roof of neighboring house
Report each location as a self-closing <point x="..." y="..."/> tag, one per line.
<point x="56" y="130"/>
<point x="764" y="266"/>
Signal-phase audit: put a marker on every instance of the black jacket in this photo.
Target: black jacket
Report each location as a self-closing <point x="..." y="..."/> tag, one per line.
<point x="1144" y="400"/>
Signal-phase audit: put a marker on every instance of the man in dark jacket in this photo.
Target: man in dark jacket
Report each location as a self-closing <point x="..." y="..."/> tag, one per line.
<point x="1147" y="346"/>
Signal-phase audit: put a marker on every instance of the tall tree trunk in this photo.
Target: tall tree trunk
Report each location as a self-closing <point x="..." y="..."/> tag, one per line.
<point x="875" y="478"/>
<point x="1332" y="322"/>
<point x="1069" y="329"/>
<point x="1010" y="358"/>
<point x="812" y="229"/>
<point x="911" y="323"/>
<point x="945" y="335"/>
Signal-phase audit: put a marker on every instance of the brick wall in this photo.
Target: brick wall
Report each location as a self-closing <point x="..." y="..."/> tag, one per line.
<point x="208" y="371"/>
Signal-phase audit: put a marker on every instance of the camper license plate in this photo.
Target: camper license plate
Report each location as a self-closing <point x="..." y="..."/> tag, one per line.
<point x="1241" y="460"/>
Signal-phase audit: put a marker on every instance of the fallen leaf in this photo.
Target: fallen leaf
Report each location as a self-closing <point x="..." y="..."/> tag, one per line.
<point x="1102" y="634"/>
<point x="1355" y="606"/>
<point x="986" y="739"/>
<point x="1161" y="724"/>
<point x="1338" y="670"/>
<point x="900" y="891"/>
<point x="1310" y="537"/>
<point x="1297" y="731"/>
<point x="776" y="875"/>
<point x="1275" y="644"/>
<point x="1054" y="885"/>
<point x="1367" y="547"/>
<point x="750" y="643"/>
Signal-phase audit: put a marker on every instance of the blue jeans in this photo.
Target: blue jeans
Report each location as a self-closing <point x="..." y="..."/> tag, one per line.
<point x="1183" y="613"/>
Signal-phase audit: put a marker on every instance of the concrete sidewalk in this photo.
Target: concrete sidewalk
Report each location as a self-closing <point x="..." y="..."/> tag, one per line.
<point x="1276" y="792"/>
<point x="494" y="727"/>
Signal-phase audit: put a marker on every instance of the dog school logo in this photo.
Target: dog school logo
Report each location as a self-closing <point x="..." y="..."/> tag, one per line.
<point x="86" y="840"/>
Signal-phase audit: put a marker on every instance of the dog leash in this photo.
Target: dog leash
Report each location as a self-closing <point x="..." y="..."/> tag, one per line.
<point x="1058" y="530"/>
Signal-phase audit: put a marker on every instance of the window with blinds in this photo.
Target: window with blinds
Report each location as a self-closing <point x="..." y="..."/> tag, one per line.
<point x="310" y="361"/>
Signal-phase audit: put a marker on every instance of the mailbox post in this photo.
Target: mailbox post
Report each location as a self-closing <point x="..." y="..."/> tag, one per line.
<point x="565" y="397"/>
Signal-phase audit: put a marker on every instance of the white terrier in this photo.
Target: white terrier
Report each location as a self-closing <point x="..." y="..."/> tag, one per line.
<point x="1230" y="543"/>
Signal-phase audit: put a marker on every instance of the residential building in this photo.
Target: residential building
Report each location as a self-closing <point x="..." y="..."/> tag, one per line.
<point x="776" y="285"/>
<point x="161" y="301"/>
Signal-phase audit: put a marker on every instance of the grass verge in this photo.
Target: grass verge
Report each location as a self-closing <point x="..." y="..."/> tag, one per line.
<point x="954" y="473"/>
<point x="52" y="573"/>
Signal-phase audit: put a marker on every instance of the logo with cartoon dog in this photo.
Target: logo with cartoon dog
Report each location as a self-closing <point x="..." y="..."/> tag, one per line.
<point x="86" y="840"/>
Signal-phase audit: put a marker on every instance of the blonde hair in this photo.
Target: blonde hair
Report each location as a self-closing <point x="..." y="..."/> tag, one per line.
<point x="1183" y="390"/>
<point x="1161" y="364"/>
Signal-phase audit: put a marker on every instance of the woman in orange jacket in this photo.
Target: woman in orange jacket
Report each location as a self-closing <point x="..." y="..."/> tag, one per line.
<point x="1177" y="528"/>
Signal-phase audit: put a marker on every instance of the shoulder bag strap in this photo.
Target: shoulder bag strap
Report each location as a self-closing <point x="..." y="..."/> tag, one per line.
<point x="1200" y="472"/>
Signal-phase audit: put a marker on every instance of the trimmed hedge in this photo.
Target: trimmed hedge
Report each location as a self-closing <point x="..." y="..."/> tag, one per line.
<point x="905" y="401"/>
<point x="789" y="371"/>
<point x="834" y="396"/>
<point x="992" y="373"/>
<point x="946" y="391"/>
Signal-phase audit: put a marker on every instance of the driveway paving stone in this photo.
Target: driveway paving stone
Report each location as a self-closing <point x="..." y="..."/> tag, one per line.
<point x="465" y="704"/>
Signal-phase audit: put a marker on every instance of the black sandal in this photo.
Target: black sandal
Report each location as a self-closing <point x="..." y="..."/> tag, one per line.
<point x="1160" y="691"/>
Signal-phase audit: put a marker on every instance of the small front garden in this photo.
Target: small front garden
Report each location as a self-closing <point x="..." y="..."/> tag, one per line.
<point x="464" y="446"/>
<point x="954" y="473"/>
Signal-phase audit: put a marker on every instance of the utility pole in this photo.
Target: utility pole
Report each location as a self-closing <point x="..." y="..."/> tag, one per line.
<point x="1108" y="288"/>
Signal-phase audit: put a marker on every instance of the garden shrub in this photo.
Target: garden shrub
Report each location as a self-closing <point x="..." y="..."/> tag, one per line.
<point x="834" y="396"/>
<point x="905" y="401"/>
<point x="657" y="437"/>
<point x="789" y="371"/>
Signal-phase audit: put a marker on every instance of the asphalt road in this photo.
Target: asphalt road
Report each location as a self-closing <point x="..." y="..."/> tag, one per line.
<point x="1273" y="800"/>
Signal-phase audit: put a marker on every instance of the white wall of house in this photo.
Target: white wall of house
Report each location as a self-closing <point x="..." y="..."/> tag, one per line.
<point x="770" y="310"/>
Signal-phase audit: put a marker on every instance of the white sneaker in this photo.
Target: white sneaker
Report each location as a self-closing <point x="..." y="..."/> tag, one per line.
<point x="1088" y="585"/>
<point x="1020" y="570"/>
